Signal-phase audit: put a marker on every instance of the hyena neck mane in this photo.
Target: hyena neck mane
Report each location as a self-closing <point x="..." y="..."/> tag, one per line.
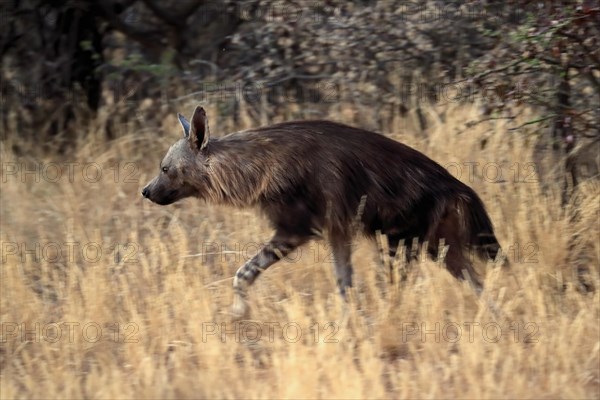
<point x="242" y="171"/>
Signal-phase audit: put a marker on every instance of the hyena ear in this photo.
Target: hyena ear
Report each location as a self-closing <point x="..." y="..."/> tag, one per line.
<point x="199" y="129"/>
<point x="184" y="124"/>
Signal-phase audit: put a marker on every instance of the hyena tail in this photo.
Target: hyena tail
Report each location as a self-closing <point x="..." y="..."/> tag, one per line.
<point x="478" y="230"/>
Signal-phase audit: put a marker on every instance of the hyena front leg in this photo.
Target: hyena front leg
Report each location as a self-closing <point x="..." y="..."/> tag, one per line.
<point x="278" y="247"/>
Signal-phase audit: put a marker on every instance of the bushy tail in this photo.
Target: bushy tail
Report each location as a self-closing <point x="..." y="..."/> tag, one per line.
<point x="479" y="230"/>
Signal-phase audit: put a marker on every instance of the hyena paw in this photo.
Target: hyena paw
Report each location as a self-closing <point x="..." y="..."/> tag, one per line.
<point x="240" y="309"/>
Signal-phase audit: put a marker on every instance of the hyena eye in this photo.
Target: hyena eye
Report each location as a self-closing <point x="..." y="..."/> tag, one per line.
<point x="165" y="169"/>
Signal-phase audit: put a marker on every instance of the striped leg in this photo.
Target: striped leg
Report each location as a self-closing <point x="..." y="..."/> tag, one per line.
<point x="279" y="247"/>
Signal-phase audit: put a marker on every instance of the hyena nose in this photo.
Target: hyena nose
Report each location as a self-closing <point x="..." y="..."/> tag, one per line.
<point x="145" y="192"/>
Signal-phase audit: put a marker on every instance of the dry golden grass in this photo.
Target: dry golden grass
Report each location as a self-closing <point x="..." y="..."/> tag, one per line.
<point x="163" y="278"/>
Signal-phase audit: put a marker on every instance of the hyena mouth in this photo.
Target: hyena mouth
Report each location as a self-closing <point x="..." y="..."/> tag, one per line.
<point x="167" y="199"/>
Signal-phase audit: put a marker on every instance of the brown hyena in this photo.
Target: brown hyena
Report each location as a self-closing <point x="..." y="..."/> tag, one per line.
<point x="318" y="179"/>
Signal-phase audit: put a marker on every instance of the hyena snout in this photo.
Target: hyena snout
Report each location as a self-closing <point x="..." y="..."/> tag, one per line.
<point x="155" y="193"/>
<point x="164" y="192"/>
<point x="149" y="189"/>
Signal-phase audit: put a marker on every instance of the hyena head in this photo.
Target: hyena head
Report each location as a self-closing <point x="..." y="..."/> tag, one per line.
<point x="184" y="168"/>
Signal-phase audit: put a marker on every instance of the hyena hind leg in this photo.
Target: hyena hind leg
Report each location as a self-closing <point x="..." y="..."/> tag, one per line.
<point x="278" y="247"/>
<point x="342" y="260"/>
<point x="456" y="262"/>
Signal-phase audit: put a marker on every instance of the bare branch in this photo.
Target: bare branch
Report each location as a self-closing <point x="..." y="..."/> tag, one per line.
<point x="535" y="121"/>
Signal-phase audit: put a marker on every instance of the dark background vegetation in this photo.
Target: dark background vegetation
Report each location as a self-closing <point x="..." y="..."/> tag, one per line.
<point x="119" y="65"/>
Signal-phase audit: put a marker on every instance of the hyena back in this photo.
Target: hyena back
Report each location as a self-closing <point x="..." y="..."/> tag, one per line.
<point x="324" y="179"/>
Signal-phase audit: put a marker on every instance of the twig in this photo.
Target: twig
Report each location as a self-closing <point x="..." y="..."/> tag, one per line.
<point x="535" y="121"/>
